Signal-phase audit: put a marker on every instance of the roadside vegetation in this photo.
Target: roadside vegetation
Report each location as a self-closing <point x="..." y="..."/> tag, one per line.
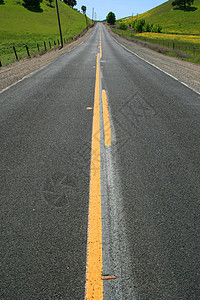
<point x="22" y="25"/>
<point x="172" y="28"/>
<point x="173" y="19"/>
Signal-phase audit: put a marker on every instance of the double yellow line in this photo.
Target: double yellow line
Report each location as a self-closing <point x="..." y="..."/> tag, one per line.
<point x="94" y="280"/>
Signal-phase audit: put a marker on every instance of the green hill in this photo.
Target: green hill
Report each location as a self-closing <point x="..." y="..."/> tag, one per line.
<point x="174" y="20"/>
<point x="19" y="26"/>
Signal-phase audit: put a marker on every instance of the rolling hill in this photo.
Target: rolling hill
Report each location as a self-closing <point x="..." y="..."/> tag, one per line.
<point x="20" y="26"/>
<point x="174" y="20"/>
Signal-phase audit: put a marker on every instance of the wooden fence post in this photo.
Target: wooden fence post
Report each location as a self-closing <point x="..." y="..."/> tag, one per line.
<point x="45" y="48"/>
<point x="27" y="51"/>
<point x="15" y="53"/>
<point x="0" y="64"/>
<point x="38" y="47"/>
<point x="50" y="44"/>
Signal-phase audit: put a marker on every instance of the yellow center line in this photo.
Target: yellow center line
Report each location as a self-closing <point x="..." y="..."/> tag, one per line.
<point x="100" y="45"/>
<point x="106" y="120"/>
<point x="94" y="282"/>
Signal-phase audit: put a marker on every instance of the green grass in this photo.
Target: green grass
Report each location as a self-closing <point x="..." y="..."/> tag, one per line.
<point x="180" y="30"/>
<point x="183" y="46"/>
<point x="174" y="20"/>
<point x="20" y="27"/>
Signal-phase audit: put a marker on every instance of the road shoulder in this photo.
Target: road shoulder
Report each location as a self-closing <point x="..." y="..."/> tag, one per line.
<point x="15" y="72"/>
<point x="185" y="72"/>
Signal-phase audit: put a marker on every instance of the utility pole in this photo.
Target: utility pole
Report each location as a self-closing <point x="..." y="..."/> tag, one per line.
<point x="61" y="39"/>
<point x="92" y="14"/>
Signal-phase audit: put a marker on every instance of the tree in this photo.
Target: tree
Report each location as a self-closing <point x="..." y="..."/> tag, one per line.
<point x="50" y="1"/>
<point x="83" y="8"/>
<point x="182" y="3"/>
<point x="139" y="25"/>
<point x="32" y="3"/>
<point x="111" y="18"/>
<point x="71" y="3"/>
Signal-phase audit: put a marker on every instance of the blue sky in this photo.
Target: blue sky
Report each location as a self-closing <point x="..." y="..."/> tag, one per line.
<point x="119" y="7"/>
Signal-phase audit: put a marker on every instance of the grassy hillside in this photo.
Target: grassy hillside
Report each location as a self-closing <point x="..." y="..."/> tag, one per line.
<point x="21" y="26"/>
<point x="174" y="20"/>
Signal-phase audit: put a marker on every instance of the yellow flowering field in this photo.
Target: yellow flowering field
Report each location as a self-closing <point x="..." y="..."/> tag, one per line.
<point x="177" y="37"/>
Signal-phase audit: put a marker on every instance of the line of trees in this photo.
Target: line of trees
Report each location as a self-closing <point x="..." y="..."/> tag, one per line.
<point x="140" y="26"/>
<point x="36" y="4"/>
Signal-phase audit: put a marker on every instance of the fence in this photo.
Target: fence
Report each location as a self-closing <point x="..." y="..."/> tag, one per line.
<point x="23" y="50"/>
<point x="193" y="49"/>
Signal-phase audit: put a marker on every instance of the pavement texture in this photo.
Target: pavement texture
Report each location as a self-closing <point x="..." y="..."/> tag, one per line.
<point x="45" y="162"/>
<point x="150" y="179"/>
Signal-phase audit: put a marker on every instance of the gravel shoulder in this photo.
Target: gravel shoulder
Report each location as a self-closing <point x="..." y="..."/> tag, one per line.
<point x="186" y="72"/>
<point x="17" y="71"/>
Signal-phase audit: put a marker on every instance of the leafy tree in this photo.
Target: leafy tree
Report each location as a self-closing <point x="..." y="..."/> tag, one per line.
<point x="2" y="2"/>
<point x="111" y="18"/>
<point x="71" y="3"/>
<point x="182" y="3"/>
<point x="83" y="8"/>
<point x="139" y="25"/>
<point x="32" y="3"/>
<point x="50" y="1"/>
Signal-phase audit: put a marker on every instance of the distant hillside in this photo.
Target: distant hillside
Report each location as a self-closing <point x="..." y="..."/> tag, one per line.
<point x="19" y="23"/>
<point x="174" y="20"/>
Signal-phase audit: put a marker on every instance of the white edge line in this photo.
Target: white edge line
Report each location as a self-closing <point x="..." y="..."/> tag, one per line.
<point x="156" y="66"/>
<point x="38" y="70"/>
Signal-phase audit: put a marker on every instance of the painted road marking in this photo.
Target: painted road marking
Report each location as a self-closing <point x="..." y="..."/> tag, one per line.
<point x="106" y="120"/>
<point x="94" y="282"/>
<point x="155" y="66"/>
<point x="100" y="45"/>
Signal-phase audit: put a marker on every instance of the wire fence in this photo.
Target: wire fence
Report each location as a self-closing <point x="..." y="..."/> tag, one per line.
<point x="184" y="48"/>
<point x="15" y="52"/>
<point x="193" y="49"/>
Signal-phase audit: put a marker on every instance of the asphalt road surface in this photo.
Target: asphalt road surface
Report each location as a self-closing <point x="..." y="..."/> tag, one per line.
<point x="100" y="149"/>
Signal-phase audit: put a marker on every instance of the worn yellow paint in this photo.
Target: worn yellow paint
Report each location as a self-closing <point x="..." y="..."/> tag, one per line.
<point x="100" y="45"/>
<point x="106" y="120"/>
<point x="94" y="283"/>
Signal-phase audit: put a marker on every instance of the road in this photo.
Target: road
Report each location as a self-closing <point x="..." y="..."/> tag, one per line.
<point x="100" y="180"/>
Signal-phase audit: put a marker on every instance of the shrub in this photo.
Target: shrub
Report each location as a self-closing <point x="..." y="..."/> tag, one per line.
<point x="147" y="27"/>
<point x="157" y="28"/>
<point x="122" y="26"/>
<point x="139" y="25"/>
<point x="133" y="24"/>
